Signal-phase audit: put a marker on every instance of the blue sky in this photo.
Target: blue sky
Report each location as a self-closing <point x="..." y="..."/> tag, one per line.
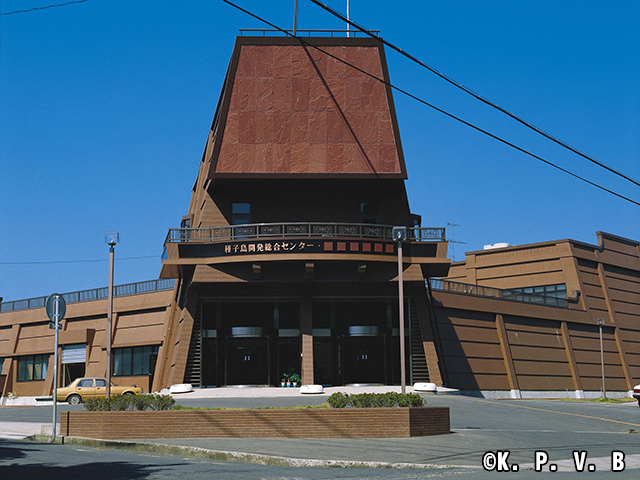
<point x="105" y="107"/>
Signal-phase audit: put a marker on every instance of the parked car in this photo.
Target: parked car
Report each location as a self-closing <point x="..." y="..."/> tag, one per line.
<point x="82" y="388"/>
<point x="636" y="393"/>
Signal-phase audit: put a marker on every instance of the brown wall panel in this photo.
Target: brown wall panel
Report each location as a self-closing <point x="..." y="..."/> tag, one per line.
<point x="535" y="325"/>
<point x="542" y="368"/>
<point x="535" y="339"/>
<point x="549" y="383"/>
<point x="612" y="384"/>
<point x="594" y="370"/>
<point x="531" y="352"/>
<point x="478" y="365"/>
<point x="462" y="333"/>
<point x="471" y="349"/>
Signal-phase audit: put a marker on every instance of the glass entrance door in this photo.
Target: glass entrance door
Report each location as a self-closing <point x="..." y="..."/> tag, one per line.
<point x="247" y="361"/>
<point x="364" y="359"/>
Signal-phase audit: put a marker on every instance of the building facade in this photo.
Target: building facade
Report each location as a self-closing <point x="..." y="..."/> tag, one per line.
<point x="524" y="318"/>
<point x="287" y="261"/>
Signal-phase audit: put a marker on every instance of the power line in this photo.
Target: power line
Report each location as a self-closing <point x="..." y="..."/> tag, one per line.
<point x="424" y="102"/>
<point x="76" y="261"/>
<point x="474" y="94"/>
<point x="44" y="8"/>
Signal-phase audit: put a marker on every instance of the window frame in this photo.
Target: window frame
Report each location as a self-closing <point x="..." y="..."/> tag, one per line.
<point x="124" y="360"/>
<point x="23" y="374"/>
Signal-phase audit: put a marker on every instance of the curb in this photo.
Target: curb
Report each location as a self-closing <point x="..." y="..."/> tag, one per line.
<point x="241" y="457"/>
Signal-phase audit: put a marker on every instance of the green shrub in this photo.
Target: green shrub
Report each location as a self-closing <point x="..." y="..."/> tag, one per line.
<point x="377" y="400"/>
<point x="410" y="400"/>
<point x="99" y="404"/>
<point x="122" y="403"/>
<point x="338" y="400"/>
<point x="159" y="402"/>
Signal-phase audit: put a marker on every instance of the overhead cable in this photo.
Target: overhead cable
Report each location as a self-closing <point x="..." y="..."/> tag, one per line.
<point x="76" y="261"/>
<point x="410" y="95"/>
<point x="44" y="8"/>
<point x="474" y="94"/>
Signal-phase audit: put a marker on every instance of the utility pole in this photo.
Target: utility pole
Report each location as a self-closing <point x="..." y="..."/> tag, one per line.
<point x="112" y="239"/>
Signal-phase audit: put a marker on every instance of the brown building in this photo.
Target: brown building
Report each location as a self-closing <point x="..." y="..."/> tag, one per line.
<point x="524" y="318"/>
<point x="286" y="262"/>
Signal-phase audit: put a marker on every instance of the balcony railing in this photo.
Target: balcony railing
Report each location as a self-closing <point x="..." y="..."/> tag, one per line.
<point x="308" y="32"/>
<point x="480" y="291"/>
<point x="93" y="294"/>
<point x="300" y="230"/>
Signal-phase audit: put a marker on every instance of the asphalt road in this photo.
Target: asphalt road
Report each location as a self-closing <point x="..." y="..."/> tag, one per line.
<point x="24" y="460"/>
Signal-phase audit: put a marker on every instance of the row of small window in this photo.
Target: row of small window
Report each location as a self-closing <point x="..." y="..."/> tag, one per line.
<point x="558" y="291"/>
<point x="554" y="295"/>
<point x="126" y="361"/>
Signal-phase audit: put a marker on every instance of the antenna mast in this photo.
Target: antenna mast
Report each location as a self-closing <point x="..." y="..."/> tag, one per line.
<point x="295" y="19"/>
<point x="348" y="21"/>
<point x="453" y="242"/>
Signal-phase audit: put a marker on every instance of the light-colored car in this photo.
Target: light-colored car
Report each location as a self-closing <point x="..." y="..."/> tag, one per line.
<point x="636" y="393"/>
<point x="88" y="387"/>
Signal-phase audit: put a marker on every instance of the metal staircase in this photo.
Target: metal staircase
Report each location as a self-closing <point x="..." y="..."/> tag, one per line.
<point x="419" y="368"/>
<point x="194" y="358"/>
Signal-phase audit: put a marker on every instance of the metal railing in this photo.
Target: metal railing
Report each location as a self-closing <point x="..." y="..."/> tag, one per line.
<point x="480" y="291"/>
<point x="317" y="32"/>
<point x="304" y="230"/>
<point x="93" y="294"/>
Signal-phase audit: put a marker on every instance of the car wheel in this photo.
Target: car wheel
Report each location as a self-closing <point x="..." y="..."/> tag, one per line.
<point x="74" y="399"/>
<point x="128" y="393"/>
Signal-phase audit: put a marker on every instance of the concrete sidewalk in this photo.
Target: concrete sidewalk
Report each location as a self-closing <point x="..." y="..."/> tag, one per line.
<point x="240" y="392"/>
<point x="22" y="430"/>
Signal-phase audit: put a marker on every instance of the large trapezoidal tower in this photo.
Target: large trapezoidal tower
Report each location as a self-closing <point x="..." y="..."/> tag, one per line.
<point x="286" y="261"/>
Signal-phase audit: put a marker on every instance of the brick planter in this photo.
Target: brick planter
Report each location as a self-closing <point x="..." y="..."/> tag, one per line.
<point x="284" y="423"/>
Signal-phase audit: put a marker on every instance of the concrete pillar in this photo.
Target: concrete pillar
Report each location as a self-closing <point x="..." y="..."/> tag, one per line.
<point x="306" y="330"/>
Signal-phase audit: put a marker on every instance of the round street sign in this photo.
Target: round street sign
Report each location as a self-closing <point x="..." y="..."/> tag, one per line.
<point x="50" y="305"/>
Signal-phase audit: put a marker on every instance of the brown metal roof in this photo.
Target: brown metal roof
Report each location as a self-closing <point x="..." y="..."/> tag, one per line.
<point x="288" y="108"/>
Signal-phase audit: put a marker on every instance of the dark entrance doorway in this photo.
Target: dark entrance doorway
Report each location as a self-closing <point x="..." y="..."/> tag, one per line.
<point x="247" y="361"/>
<point x="364" y="357"/>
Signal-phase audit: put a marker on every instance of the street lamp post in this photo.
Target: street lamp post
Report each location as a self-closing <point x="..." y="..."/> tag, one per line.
<point x="112" y="239"/>
<point x="600" y="322"/>
<point x="399" y="234"/>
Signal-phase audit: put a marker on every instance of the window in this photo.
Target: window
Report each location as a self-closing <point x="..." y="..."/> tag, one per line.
<point x="240" y="213"/>
<point x="133" y="360"/>
<point x="369" y="213"/>
<point x="32" y="367"/>
<point x="544" y="294"/>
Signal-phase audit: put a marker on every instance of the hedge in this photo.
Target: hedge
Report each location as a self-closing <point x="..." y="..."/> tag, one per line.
<point x="375" y="400"/>
<point x="121" y="403"/>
